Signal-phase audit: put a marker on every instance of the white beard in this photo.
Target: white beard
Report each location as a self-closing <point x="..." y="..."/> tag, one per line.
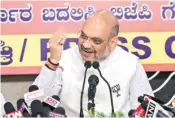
<point x="106" y="54"/>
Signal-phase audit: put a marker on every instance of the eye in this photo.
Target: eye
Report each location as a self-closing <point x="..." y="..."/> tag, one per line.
<point x="83" y="36"/>
<point x="96" y="41"/>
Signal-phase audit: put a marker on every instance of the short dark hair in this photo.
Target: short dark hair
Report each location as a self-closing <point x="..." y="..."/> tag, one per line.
<point x="115" y="30"/>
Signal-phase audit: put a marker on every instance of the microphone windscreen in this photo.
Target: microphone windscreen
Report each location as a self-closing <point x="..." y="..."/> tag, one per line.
<point x="46" y="110"/>
<point x="19" y="103"/>
<point x="144" y="105"/>
<point x="93" y="79"/>
<point x="33" y="88"/>
<point x="56" y="97"/>
<point x="96" y="64"/>
<point x="60" y="110"/>
<point x="37" y="108"/>
<point x="131" y="112"/>
<point x="140" y="99"/>
<point x="87" y="64"/>
<point x="8" y="107"/>
<point x="26" y="114"/>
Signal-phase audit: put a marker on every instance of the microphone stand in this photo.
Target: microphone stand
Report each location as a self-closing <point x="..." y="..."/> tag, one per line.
<point x="96" y="66"/>
<point x="87" y="65"/>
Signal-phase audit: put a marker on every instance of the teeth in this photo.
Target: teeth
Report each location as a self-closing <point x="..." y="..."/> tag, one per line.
<point x="86" y="51"/>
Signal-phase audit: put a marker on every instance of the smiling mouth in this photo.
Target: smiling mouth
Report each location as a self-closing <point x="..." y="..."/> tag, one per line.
<point x="88" y="51"/>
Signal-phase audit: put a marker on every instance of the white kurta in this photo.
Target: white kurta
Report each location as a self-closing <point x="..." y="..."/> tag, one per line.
<point x="2" y="112"/>
<point x="121" y="69"/>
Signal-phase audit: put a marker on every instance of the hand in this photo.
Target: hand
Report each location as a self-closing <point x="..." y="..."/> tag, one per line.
<point x="56" y="46"/>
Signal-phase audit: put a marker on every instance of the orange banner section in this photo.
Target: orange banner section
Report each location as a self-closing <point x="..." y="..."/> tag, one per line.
<point x="47" y="16"/>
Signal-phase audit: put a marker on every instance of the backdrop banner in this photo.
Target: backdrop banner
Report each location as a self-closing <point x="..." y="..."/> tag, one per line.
<point x="147" y="29"/>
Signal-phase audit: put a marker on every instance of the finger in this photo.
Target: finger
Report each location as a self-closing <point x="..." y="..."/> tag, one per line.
<point x="59" y="43"/>
<point x="63" y="38"/>
<point x="52" y="39"/>
<point x="57" y="37"/>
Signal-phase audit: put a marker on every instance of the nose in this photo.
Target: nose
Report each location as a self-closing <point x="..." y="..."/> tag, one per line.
<point x="87" y="43"/>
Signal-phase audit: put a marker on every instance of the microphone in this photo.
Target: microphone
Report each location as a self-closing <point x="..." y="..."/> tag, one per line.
<point x="21" y="106"/>
<point x="56" y="97"/>
<point x="8" y="107"/>
<point x="87" y="65"/>
<point x="93" y="82"/>
<point x="51" y="102"/>
<point x="33" y="95"/>
<point x="139" y="112"/>
<point x="11" y="112"/>
<point x="153" y="109"/>
<point x="33" y="88"/>
<point x="170" y="109"/>
<point x="37" y="109"/>
<point x="131" y="113"/>
<point x="161" y="103"/>
<point x="57" y="113"/>
<point x="153" y="98"/>
<point x="96" y="65"/>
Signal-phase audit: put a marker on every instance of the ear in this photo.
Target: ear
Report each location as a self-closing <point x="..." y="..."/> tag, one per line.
<point x="113" y="43"/>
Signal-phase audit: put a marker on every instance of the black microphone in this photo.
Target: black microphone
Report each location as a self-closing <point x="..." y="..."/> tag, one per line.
<point x="60" y="110"/>
<point x="93" y="82"/>
<point x="96" y="65"/>
<point x="46" y="111"/>
<point x="159" y="113"/>
<point x="140" y="99"/>
<point x="33" y="88"/>
<point x="161" y="103"/>
<point x="37" y="109"/>
<point x="130" y="113"/>
<point x="152" y="108"/>
<point x="57" y="113"/>
<point x="33" y="94"/>
<point x="56" y="97"/>
<point x="8" y="107"/>
<point x="167" y="108"/>
<point x="51" y="102"/>
<point x="155" y="99"/>
<point x="19" y="103"/>
<point x="21" y="106"/>
<point x="144" y="105"/>
<point x="11" y="112"/>
<point x="87" y="65"/>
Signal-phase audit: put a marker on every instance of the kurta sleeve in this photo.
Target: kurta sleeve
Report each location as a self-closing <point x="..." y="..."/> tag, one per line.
<point x="139" y="86"/>
<point x="50" y="81"/>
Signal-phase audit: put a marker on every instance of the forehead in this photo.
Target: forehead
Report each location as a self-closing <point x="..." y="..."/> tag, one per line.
<point x="96" y="28"/>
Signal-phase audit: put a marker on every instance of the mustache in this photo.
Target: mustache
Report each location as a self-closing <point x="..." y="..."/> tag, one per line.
<point x="89" y="50"/>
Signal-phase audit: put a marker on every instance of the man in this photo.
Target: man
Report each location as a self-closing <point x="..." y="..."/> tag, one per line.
<point x="97" y="42"/>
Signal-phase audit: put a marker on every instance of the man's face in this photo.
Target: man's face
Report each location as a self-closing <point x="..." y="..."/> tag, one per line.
<point x="94" y="42"/>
